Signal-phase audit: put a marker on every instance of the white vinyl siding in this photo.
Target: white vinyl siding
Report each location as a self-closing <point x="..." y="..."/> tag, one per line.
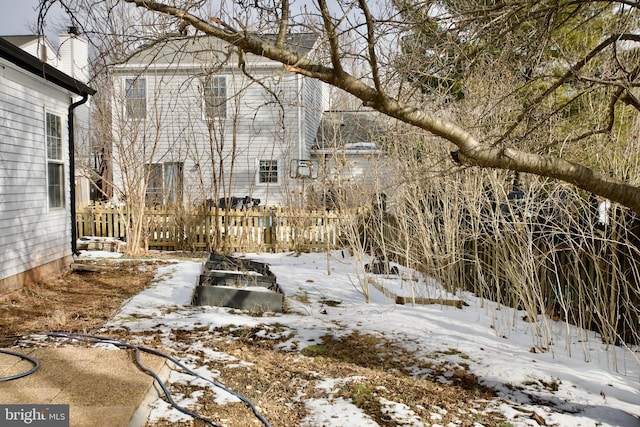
<point x="176" y="131"/>
<point x="313" y="105"/>
<point x="31" y="234"/>
<point x="259" y="123"/>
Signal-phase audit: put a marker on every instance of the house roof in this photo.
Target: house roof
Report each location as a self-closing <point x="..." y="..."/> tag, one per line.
<point x="20" y="40"/>
<point x="30" y="63"/>
<point x="349" y="130"/>
<point x="301" y="43"/>
<point x="206" y="50"/>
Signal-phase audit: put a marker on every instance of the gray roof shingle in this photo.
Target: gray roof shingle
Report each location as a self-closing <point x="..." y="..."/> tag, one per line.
<point x="340" y="128"/>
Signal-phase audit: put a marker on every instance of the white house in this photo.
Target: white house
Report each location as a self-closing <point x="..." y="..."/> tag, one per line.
<point x="37" y="104"/>
<point x="206" y="124"/>
<point x="71" y="56"/>
<point x="352" y="166"/>
<point x="36" y="45"/>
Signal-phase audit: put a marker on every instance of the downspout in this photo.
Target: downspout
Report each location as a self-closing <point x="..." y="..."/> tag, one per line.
<point x="72" y="172"/>
<point x="301" y="136"/>
<point x="301" y="140"/>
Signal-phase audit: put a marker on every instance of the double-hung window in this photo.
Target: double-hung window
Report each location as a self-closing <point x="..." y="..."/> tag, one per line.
<point x="268" y="172"/>
<point x="55" y="162"/>
<point x="215" y="97"/>
<point x="135" y="90"/>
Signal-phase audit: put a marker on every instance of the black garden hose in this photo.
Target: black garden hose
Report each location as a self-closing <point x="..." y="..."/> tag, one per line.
<point x="36" y="365"/>
<point x="95" y="339"/>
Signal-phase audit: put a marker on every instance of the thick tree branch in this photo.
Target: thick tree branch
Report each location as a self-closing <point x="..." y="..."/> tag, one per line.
<point x="471" y="151"/>
<point x="371" y="43"/>
<point x="284" y="24"/>
<point x="334" y="45"/>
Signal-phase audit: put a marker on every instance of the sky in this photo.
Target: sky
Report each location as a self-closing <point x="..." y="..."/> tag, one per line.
<point x="596" y="386"/>
<point x="20" y="17"/>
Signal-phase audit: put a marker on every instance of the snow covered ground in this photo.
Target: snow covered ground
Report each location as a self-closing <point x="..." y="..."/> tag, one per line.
<point x="589" y="385"/>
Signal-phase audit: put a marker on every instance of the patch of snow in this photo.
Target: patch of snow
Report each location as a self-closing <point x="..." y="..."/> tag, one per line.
<point x="594" y="384"/>
<point x="402" y="415"/>
<point x="84" y="254"/>
<point x="335" y="412"/>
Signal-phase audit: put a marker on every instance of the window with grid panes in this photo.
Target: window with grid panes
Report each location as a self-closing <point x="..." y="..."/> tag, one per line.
<point x="136" y="98"/>
<point x="215" y="97"/>
<point x="268" y="172"/>
<point x="55" y="162"/>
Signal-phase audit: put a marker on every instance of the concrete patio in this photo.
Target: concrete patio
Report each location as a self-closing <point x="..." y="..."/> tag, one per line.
<point x="103" y="387"/>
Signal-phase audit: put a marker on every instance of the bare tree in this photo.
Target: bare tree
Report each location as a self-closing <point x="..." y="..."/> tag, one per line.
<point x="377" y="84"/>
<point x="535" y="87"/>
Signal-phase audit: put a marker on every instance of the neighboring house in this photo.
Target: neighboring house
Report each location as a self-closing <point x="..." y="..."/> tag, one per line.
<point x="36" y="45"/>
<point x="71" y="57"/>
<point x="198" y="127"/>
<point x="37" y="224"/>
<point x="352" y="167"/>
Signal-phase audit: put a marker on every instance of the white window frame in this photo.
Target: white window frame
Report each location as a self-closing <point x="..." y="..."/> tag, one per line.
<point x="55" y="159"/>
<point x="259" y="164"/>
<point x="208" y="84"/>
<point x="135" y="81"/>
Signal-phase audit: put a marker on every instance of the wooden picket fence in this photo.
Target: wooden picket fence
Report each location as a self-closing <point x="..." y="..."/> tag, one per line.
<point x="258" y="229"/>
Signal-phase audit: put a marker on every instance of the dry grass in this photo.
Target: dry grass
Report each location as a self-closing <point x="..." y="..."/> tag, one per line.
<point x="74" y="301"/>
<point x="278" y="382"/>
<point x="364" y="370"/>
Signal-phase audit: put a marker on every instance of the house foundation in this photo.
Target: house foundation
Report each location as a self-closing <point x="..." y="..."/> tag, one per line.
<point x="17" y="281"/>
